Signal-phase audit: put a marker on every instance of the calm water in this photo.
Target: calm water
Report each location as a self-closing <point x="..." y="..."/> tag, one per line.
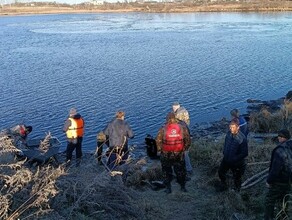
<point x="99" y="63"/>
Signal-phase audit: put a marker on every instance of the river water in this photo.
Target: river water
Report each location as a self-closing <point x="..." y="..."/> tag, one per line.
<point x="141" y="63"/>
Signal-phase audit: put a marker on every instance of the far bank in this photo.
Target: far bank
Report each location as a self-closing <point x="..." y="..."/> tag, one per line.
<point x="147" y="7"/>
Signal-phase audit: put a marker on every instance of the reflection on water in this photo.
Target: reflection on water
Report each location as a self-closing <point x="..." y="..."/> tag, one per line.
<point x="99" y="63"/>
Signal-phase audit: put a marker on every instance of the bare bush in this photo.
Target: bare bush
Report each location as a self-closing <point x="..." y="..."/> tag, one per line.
<point x="25" y="191"/>
<point x="95" y="194"/>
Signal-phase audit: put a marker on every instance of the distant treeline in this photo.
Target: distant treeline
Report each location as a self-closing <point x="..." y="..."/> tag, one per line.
<point x="154" y="6"/>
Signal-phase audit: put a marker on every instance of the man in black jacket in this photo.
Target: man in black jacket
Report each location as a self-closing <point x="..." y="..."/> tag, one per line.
<point x="279" y="178"/>
<point x="234" y="153"/>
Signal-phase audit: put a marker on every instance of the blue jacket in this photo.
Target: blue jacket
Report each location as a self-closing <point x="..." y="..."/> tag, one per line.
<point x="118" y="132"/>
<point x="235" y="148"/>
<point x="243" y="125"/>
<point x="277" y="172"/>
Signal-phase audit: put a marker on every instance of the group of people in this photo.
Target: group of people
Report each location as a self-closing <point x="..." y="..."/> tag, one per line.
<point x="173" y="142"/>
<point x="279" y="177"/>
<point x="115" y="135"/>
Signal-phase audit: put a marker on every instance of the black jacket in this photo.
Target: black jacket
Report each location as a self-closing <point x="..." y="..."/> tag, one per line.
<point x="278" y="166"/>
<point x="235" y="148"/>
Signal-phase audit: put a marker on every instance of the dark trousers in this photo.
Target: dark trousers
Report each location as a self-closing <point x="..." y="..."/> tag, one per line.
<point x="117" y="157"/>
<point x="237" y="172"/>
<point x="176" y="161"/>
<point x="72" y="144"/>
<point x="100" y="145"/>
<point x="276" y="193"/>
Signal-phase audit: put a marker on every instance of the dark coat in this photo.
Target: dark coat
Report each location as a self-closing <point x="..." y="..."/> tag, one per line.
<point x="118" y="131"/>
<point x="278" y="170"/>
<point x="235" y="148"/>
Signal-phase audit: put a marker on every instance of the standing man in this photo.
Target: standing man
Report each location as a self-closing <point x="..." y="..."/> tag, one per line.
<point x="234" y="153"/>
<point x="279" y="178"/>
<point x="118" y="131"/>
<point x="172" y="140"/>
<point x="183" y="116"/>
<point x="74" y="128"/>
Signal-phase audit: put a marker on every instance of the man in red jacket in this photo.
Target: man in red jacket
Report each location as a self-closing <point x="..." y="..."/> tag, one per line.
<point x="172" y="140"/>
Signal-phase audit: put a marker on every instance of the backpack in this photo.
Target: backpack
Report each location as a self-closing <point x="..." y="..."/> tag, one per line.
<point x="173" y="138"/>
<point x="151" y="146"/>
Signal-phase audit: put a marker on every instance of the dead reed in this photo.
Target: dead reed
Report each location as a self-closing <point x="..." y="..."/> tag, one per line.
<point x="25" y="191"/>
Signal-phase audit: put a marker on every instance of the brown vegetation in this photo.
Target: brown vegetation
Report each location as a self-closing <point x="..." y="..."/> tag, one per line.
<point x="91" y="192"/>
<point x="50" y="191"/>
<point x="156" y="7"/>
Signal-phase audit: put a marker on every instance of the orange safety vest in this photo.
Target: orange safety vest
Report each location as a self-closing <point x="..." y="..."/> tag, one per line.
<point x="76" y="129"/>
<point x="173" y="138"/>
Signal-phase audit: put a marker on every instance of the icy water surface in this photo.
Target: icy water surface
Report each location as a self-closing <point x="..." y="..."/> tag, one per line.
<point x="99" y="63"/>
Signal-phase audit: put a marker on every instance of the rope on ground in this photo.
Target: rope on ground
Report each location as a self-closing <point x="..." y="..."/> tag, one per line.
<point x="258" y="163"/>
<point x="255" y="179"/>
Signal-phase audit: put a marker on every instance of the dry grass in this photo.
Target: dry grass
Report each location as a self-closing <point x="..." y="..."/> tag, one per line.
<point x="85" y="192"/>
<point x="93" y="194"/>
<point x="46" y="192"/>
<point x="25" y="191"/>
<point x="266" y="122"/>
<point x="90" y="192"/>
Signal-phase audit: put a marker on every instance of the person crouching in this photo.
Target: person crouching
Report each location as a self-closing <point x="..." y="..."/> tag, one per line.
<point x="172" y="140"/>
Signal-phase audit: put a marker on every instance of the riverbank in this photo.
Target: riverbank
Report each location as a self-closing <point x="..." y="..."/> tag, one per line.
<point x="54" y="8"/>
<point x="91" y="191"/>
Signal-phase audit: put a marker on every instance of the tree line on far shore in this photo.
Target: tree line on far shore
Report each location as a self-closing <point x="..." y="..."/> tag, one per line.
<point x="161" y="6"/>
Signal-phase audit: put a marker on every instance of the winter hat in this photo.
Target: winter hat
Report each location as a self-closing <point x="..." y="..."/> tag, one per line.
<point x="175" y="104"/>
<point x="284" y="133"/>
<point x="73" y="111"/>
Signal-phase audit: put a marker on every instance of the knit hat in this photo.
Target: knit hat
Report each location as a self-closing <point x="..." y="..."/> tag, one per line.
<point x="284" y="133"/>
<point x="73" y="111"/>
<point x="175" y="104"/>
